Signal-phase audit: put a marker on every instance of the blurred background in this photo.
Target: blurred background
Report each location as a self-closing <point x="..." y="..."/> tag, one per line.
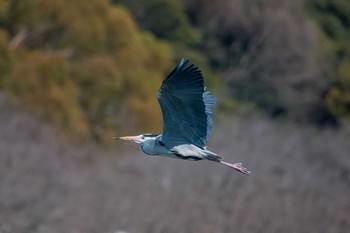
<point x="75" y="73"/>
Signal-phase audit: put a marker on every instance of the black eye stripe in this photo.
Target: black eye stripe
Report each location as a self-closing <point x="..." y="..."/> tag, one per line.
<point x="150" y="135"/>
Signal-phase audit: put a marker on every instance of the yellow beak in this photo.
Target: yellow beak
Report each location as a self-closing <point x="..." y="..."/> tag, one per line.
<point x="129" y="138"/>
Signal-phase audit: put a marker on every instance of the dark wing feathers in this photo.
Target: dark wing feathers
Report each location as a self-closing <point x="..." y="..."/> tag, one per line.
<point x="187" y="107"/>
<point x="210" y="102"/>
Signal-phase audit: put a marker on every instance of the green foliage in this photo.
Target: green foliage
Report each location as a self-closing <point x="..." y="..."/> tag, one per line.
<point x="83" y="64"/>
<point x="43" y="83"/>
<point x="83" y="26"/>
<point x="267" y="52"/>
<point x="165" y="18"/>
<point x="169" y="21"/>
<point x="87" y="66"/>
<point x="5" y="57"/>
<point x="338" y="97"/>
<point x="334" y="20"/>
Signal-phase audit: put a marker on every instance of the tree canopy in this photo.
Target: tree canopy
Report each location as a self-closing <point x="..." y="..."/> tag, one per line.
<point x="95" y="66"/>
<point x="333" y="17"/>
<point x="83" y="64"/>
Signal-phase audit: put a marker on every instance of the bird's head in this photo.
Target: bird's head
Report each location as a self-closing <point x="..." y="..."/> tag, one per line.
<point x="139" y="138"/>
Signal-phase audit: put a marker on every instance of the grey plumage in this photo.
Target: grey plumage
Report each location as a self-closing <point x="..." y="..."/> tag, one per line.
<point x="187" y="109"/>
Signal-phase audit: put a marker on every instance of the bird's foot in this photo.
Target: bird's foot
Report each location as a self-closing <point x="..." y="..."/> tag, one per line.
<point x="238" y="167"/>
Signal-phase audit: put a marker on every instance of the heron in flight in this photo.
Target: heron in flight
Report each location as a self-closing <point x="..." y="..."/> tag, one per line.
<point x="187" y="109"/>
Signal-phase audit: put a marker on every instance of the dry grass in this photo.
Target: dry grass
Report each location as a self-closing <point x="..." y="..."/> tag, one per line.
<point x="300" y="182"/>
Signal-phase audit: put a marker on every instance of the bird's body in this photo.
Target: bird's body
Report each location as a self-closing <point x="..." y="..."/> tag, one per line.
<point x="187" y="109"/>
<point x="155" y="146"/>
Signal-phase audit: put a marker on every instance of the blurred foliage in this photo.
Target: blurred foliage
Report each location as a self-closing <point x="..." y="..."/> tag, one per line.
<point x="5" y="57"/>
<point x="82" y="64"/>
<point x="333" y="16"/>
<point x="167" y="20"/>
<point x="267" y="53"/>
<point x="95" y="69"/>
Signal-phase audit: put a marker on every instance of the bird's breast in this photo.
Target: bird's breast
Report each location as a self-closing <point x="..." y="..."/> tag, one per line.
<point x="147" y="150"/>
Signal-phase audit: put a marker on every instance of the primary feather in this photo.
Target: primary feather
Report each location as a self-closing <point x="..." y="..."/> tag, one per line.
<point x="187" y="107"/>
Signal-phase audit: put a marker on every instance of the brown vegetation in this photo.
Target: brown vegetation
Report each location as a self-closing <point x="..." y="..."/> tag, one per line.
<point x="81" y="64"/>
<point x="87" y="68"/>
<point x="87" y="65"/>
<point x="300" y="182"/>
<point x="268" y="51"/>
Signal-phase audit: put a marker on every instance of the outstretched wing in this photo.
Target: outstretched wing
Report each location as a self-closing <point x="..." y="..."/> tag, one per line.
<point x="187" y="107"/>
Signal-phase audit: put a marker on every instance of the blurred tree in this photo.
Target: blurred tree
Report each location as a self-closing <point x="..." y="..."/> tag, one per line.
<point x="165" y="18"/>
<point x="5" y="57"/>
<point x="267" y="51"/>
<point x="43" y="84"/>
<point x="77" y="63"/>
<point x="168" y="21"/>
<point x="333" y="17"/>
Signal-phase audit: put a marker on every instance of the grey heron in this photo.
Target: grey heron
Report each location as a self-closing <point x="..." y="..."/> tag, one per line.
<point x="187" y="109"/>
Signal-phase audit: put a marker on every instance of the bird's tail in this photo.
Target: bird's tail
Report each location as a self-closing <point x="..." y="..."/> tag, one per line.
<point x="212" y="156"/>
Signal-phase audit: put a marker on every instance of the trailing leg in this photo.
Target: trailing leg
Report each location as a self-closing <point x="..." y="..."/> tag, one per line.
<point x="237" y="167"/>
